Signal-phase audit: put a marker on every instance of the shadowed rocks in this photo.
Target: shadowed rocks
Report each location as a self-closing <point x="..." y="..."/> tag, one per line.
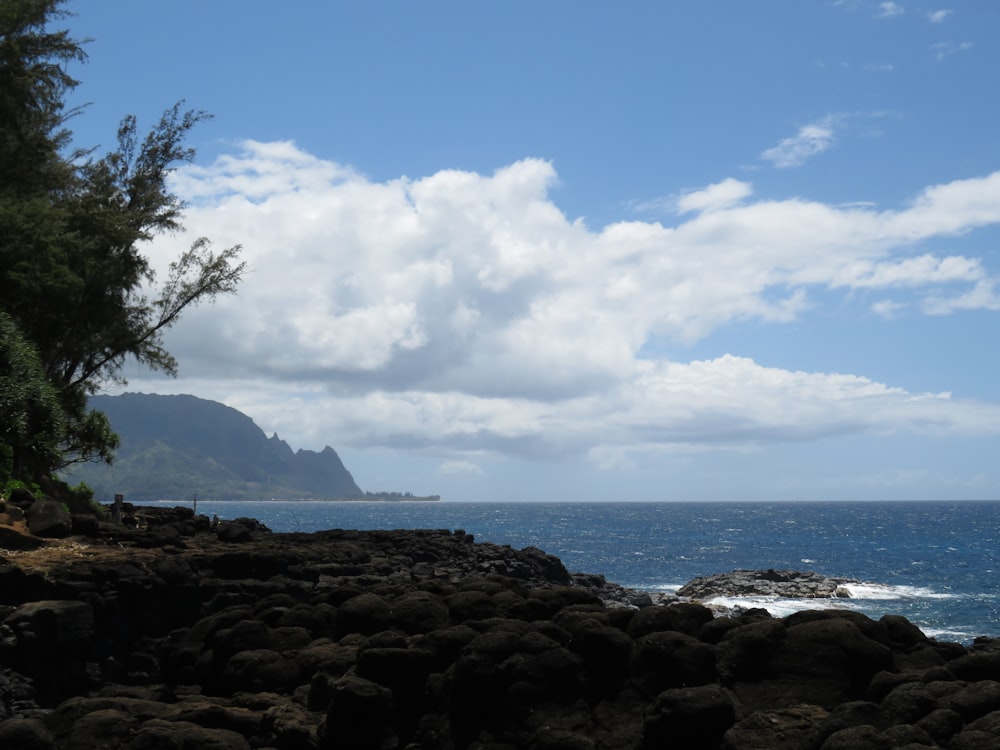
<point x="142" y="638"/>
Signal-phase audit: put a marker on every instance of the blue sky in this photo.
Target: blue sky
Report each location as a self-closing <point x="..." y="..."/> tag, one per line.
<point x="583" y="251"/>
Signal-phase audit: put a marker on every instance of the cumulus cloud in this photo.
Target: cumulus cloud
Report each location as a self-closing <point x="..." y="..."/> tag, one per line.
<point x="796" y="150"/>
<point x="465" y="313"/>
<point x="938" y="16"/>
<point x="890" y="10"/>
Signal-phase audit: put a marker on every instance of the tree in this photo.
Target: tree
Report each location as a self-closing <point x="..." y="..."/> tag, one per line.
<point x="30" y="414"/>
<point x="75" y="281"/>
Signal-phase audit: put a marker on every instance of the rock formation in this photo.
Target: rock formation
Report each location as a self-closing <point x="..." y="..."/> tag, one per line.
<point x="789" y="584"/>
<point x="167" y="632"/>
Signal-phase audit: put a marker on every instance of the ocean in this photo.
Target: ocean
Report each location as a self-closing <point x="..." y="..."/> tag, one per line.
<point x="935" y="563"/>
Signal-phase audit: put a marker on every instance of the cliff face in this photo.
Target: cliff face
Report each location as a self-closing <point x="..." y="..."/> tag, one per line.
<point x="174" y="447"/>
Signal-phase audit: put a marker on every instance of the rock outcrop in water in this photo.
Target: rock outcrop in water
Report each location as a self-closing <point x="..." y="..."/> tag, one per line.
<point x="787" y="584"/>
<point x="180" y="635"/>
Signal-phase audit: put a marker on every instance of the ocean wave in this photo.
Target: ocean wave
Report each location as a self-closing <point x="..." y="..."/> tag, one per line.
<point x="950" y="634"/>
<point x="666" y="588"/>
<point x="775" y="606"/>
<point x="885" y="592"/>
<point x="859" y="593"/>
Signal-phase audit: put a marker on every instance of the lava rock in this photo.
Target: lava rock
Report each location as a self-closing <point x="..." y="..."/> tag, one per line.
<point x="48" y="518"/>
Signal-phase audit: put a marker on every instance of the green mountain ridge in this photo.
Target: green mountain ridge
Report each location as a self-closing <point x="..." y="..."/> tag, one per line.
<point x="178" y="447"/>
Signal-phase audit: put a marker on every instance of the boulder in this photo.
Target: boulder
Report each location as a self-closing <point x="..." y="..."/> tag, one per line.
<point x="234" y="533"/>
<point x="360" y="717"/>
<point x="158" y="733"/>
<point x="834" y="657"/>
<point x="48" y="518"/>
<point x="941" y="725"/>
<point x="54" y="642"/>
<point x="105" y="727"/>
<point x="688" y="717"/>
<point x="685" y="618"/>
<point x="974" y="700"/>
<point x="664" y="660"/>
<point x="17" y="694"/>
<point x="21" y="497"/>
<point x="419" y="612"/>
<point x="857" y="738"/>
<point x="789" y="728"/>
<point x="262" y="670"/>
<point x="604" y="651"/>
<point x="366" y="614"/>
<point x="13" y="539"/>
<point x="11" y="513"/>
<point x="26" y="734"/>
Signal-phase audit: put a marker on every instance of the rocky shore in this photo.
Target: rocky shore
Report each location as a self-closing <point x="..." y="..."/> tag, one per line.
<point x="169" y="632"/>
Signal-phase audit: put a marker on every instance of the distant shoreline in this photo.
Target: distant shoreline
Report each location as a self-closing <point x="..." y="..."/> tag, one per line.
<point x="382" y="497"/>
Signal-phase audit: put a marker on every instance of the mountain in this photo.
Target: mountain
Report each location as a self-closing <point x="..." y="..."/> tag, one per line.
<point x="176" y="447"/>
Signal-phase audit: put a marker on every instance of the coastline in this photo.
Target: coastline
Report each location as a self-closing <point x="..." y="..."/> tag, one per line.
<point x="904" y="551"/>
<point x="234" y="634"/>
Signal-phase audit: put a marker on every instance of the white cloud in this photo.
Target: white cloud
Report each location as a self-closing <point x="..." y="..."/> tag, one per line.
<point x="890" y="10"/>
<point x="983" y="296"/>
<point x="463" y="313"/>
<point x="919" y="271"/>
<point x="938" y="16"/>
<point x="947" y="49"/>
<point x="720" y="195"/>
<point x="811" y="140"/>
<point x="887" y="309"/>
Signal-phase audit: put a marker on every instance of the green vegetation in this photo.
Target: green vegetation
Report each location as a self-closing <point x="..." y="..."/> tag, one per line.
<point x="176" y="447"/>
<point x="394" y="496"/>
<point x="79" y="298"/>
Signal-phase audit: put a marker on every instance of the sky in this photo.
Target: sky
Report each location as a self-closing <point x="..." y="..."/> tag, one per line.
<point x="587" y="251"/>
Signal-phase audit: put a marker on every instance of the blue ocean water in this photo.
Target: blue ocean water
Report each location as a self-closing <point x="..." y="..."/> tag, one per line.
<point x="935" y="563"/>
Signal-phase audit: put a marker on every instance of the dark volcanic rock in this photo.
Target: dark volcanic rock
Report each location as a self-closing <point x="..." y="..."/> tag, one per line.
<point x="689" y="717"/>
<point x="168" y="634"/>
<point x="11" y="539"/>
<point x="26" y="734"/>
<point x="360" y="715"/>
<point x="790" y="584"/>
<point x="51" y="642"/>
<point x="48" y="518"/>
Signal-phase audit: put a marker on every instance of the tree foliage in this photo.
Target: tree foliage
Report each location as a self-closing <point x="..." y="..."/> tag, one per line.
<point x="30" y="411"/>
<point x="77" y="288"/>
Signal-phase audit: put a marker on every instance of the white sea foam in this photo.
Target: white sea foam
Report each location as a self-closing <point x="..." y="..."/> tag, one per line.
<point x="949" y="635"/>
<point x="859" y="592"/>
<point x="883" y="592"/>
<point x="777" y="607"/>
<point x="668" y="588"/>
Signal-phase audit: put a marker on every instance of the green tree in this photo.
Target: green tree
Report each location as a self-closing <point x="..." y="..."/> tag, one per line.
<point x="75" y="281"/>
<point x="30" y="412"/>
